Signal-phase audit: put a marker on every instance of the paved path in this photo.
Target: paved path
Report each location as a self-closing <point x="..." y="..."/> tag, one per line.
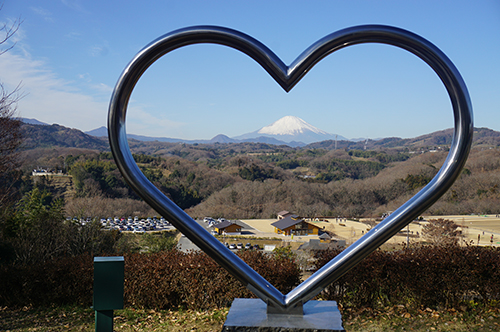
<point x="186" y="245"/>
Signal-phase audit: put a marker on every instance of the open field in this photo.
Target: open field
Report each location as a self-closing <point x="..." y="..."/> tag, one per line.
<point x="488" y="223"/>
<point x="350" y="230"/>
<point x="129" y="319"/>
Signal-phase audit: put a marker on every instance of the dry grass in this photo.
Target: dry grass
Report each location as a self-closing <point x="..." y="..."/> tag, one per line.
<point x="391" y="319"/>
<point x="399" y="319"/>
<point x="78" y="319"/>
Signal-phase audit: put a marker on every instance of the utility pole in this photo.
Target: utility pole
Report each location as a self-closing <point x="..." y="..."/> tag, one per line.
<point x="408" y="236"/>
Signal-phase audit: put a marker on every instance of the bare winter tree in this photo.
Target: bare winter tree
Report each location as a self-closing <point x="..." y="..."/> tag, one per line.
<point x="10" y="126"/>
<point x="10" y="134"/>
<point x="441" y="232"/>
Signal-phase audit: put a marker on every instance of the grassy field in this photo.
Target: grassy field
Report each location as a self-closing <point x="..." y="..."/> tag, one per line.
<point x="349" y="230"/>
<point x="128" y="320"/>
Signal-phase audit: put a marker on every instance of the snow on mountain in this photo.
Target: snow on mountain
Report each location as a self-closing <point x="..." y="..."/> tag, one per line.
<point x="291" y="128"/>
<point x="290" y="125"/>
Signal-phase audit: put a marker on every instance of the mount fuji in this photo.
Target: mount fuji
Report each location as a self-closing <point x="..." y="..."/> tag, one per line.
<point x="291" y="129"/>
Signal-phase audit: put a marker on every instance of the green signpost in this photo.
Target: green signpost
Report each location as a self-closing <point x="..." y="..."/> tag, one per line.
<point x="109" y="276"/>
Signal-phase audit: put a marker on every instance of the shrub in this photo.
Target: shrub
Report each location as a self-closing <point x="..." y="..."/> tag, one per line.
<point x="430" y="276"/>
<point x="172" y="279"/>
<point x="62" y="281"/>
<point x="164" y="280"/>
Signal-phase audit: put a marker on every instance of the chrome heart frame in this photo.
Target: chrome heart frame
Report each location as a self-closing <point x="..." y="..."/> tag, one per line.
<point x="287" y="77"/>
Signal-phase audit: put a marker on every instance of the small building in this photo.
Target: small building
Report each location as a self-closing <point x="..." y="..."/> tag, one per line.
<point x="46" y="172"/>
<point x="283" y="214"/>
<point x="228" y="228"/>
<point x="293" y="225"/>
<point x="325" y="237"/>
<point x="314" y="244"/>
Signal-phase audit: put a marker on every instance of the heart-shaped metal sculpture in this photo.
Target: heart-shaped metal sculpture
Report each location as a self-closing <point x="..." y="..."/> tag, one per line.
<point x="287" y="77"/>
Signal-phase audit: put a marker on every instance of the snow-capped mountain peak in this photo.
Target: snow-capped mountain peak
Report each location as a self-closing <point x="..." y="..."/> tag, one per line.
<point x="290" y="125"/>
<point x="291" y="129"/>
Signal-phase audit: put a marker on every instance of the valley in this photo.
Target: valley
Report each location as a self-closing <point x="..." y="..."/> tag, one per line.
<point x="256" y="180"/>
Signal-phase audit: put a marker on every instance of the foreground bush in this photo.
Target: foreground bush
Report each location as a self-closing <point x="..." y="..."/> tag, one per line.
<point x="164" y="280"/>
<point x="433" y="277"/>
<point x="172" y="279"/>
<point x="60" y="282"/>
<point x="429" y="276"/>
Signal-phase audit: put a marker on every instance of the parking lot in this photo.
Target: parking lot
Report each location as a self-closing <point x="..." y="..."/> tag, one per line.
<point x="135" y="225"/>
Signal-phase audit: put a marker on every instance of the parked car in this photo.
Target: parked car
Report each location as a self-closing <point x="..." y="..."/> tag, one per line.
<point x="248" y="246"/>
<point x="239" y="246"/>
<point x="232" y="246"/>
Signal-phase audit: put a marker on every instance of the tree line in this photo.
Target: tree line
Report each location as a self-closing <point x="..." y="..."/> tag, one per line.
<point x="317" y="182"/>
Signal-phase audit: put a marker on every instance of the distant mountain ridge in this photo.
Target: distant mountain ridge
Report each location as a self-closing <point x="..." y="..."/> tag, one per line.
<point x="44" y="135"/>
<point x="33" y="121"/>
<point x="103" y="132"/>
<point x="98" y="132"/>
<point x="289" y="130"/>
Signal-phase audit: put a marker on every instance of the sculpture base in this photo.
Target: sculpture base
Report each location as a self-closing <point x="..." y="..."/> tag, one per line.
<point x="250" y="315"/>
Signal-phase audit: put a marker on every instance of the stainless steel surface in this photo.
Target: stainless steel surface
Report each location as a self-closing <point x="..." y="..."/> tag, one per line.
<point x="251" y="315"/>
<point x="287" y="77"/>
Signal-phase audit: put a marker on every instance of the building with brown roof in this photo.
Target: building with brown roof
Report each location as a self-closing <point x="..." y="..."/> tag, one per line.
<point x="228" y="228"/>
<point x="293" y="225"/>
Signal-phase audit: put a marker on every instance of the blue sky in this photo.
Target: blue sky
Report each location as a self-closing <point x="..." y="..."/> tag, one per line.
<point x="70" y="53"/>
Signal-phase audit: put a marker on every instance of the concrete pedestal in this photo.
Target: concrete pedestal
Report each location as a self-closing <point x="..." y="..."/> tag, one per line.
<point x="250" y="315"/>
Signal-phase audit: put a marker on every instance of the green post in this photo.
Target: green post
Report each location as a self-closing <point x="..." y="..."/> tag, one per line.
<point x="103" y="320"/>
<point x="109" y="276"/>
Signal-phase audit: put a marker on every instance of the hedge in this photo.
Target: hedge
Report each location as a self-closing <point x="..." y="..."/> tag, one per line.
<point x="164" y="280"/>
<point x="429" y="276"/>
<point x="434" y="277"/>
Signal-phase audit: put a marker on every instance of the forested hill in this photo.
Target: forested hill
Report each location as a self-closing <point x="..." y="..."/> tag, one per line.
<point x="255" y="180"/>
<point x="482" y="137"/>
<point x="45" y="136"/>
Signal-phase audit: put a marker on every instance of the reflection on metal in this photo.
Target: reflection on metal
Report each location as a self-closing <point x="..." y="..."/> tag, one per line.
<point x="287" y="77"/>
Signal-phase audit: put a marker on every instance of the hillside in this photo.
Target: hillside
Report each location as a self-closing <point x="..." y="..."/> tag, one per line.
<point x="482" y="137"/>
<point x="255" y="180"/>
<point x="37" y="136"/>
<point x="42" y="136"/>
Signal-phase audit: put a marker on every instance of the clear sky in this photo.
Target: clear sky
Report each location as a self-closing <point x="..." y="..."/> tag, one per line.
<point x="70" y="53"/>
